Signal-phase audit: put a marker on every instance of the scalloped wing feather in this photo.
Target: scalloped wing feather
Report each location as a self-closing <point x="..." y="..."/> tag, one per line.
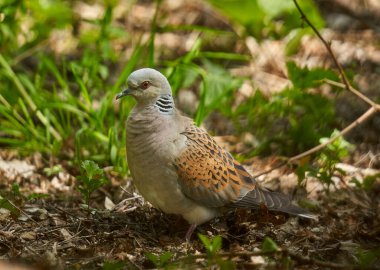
<point x="208" y="174"/>
<point x="211" y="176"/>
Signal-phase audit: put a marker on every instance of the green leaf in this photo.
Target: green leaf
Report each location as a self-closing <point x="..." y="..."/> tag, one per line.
<point x="304" y="78"/>
<point x="368" y="258"/>
<point x="16" y="190"/>
<point x="119" y="265"/>
<point x="370" y="180"/>
<point x="92" y="169"/>
<point x="339" y="147"/>
<point x="37" y="196"/>
<point x="53" y="170"/>
<point x="165" y="258"/>
<point x="269" y="245"/>
<point x="206" y="242"/>
<point x="273" y="8"/>
<point x="153" y="258"/>
<point x="91" y="179"/>
<point x="5" y="203"/>
<point x="226" y="264"/>
<point x="248" y="13"/>
<point x="216" y="89"/>
<point x="212" y="245"/>
<point x="216" y="244"/>
<point x="160" y="261"/>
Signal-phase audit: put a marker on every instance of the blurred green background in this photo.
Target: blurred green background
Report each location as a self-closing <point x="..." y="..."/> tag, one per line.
<point x="63" y="62"/>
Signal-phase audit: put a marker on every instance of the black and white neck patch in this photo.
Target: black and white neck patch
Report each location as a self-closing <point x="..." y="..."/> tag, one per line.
<point x="165" y="104"/>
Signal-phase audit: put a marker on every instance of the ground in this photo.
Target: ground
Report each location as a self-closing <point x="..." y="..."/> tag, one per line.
<point x="58" y="231"/>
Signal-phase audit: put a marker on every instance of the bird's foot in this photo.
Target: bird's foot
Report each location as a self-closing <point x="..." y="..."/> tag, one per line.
<point x="190" y="232"/>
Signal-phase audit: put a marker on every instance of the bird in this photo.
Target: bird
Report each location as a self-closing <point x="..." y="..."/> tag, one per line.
<point x="178" y="167"/>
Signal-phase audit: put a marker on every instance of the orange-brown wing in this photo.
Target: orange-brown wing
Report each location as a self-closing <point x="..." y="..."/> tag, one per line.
<point x="208" y="174"/>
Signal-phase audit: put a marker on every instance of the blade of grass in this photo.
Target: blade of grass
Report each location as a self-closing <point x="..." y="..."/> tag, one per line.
<point x="55" y="72"/>
<point x="26" y="114"/>
<point x="17" y="120"/>
<point x="224" y="55"/>
<point x="82" y="88"/>
<point x="153" y="31"/>
<point x="27" y="98"/>
<point x="128" y="68"/>
<point x="201" y="107"/>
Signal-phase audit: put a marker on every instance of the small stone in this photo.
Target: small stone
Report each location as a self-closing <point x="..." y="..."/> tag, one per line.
<point x="28" y="236"/>
<point x="4" y="214"/>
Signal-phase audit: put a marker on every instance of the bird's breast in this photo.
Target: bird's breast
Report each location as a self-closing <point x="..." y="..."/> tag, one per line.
<point x="152" y="145"/>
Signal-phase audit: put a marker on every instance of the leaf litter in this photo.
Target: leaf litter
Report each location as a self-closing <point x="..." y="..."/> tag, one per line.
<point x="58" y="234"/>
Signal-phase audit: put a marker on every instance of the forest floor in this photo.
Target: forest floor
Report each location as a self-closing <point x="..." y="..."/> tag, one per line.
<point x="57" y="232"/>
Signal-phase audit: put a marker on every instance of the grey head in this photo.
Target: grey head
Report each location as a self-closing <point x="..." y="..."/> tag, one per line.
<point x="146" y="85"/>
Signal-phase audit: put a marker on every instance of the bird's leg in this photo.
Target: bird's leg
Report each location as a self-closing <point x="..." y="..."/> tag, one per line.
<point x="190" y="232"/>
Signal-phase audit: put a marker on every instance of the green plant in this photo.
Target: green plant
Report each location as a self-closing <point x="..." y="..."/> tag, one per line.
<point x="216" y="85"/>
<point x="269" y="245"/>
<point x="16" y="190"/>
<point x="271" y="248"/>
<point x="213" y="246"/>
<point x="162" y="260"/>
<point x="368" y="258"/>
<point x="20" y="198"/>
<point x="91" y="179"/>
<point x="118" y="265"/>
<point x="326" y="161"/>
<point x="53" y="170"/>
<point x="63" y="105"/>
<point x="6" y="204"/>
<point x="272" y="18"/>
<point x="292" y="120"/>
<point x="367" y="183"/>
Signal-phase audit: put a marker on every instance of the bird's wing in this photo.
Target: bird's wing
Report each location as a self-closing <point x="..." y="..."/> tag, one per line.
<point x="208" y="174"/>
<point x="211" y="176"/>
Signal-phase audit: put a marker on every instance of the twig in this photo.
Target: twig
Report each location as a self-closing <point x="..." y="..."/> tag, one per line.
<point x="271" y="169"/>
<point x="22" y="211"/>
<point x="347" y="129"/>
<point x="338" y="65"/>
<point x="327" y="45"/>
<point x="353" y="90"/>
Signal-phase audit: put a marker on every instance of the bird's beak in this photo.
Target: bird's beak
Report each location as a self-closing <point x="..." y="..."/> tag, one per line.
<point x="124" y="93"/>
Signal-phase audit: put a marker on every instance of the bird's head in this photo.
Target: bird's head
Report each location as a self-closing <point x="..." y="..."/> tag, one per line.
<point x="146" y="85"/>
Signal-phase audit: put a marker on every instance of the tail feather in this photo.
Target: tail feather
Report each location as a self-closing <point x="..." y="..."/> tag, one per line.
<point x="275" y="201"/>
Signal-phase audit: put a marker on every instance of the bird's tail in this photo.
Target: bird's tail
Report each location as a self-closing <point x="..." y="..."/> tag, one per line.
<point x="275" y="201"/>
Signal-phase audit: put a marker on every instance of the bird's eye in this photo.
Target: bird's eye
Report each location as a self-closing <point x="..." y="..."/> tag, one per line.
<point x="144" y="85"/>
